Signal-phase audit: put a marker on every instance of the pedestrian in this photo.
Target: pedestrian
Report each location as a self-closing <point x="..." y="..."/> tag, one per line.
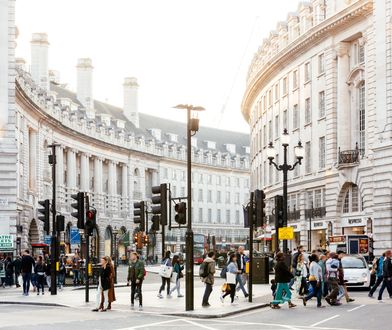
<point x="62" y="272"/>
<point x="342" y="281"/>
<point x="294" y="262"/>
<point x="9" y="271"/>
<point x="282" y="278"/>
<point x="301" y="275"/>
<point x="332" y="266"/>
<point x="34" y="276"/>
<point x="136" y="273"/>
<point x="27" y="265"/>
<point x="111" y="293"/>
<point x="209" y="279"/>
<point x="48" y="272"/>
<point x="76" y="269"/>
<point x="377" y="267"/>
<point x="17" y="267"/>
<point x="177" y="275"/>
<point x="2" y="271"/>
<point x="387" y="275"/>
<point x="231" y="276"/>
<point x="103" y="285"/>
<point x="315" y="280"/>
<point x="241" y="264"/>
<point x="324" y="282"/>
<point x="167" y="263"/>
<point x="40" y="269"/>
<point x="273" y="288"/>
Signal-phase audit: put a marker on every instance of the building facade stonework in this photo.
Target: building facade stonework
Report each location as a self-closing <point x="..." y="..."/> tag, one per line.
<point x="325" y="75"/>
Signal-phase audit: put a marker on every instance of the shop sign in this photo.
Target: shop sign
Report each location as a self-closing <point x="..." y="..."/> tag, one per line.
<point x="337" y="239"/>
<point x="318" y="225"/>
<point x="363" y="245"/>
<point x="353" y="222"/>
<point x="6" y="242"/>
<point x="286" y="233"/>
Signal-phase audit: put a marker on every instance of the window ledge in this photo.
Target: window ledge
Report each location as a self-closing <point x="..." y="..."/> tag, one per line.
<point x="308" y="124"/>
<point x="321" y="74"/>
<point x="322" y="118"/>
<point x="295" y="89"/>
<point x="307" y="82"/>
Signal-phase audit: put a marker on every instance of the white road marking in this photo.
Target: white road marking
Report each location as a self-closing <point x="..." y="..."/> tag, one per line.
<point x="200" y="325"/>
<point x="354" y="309"/>
<point x="151" y="324"/>
<point x="325" y="320"/>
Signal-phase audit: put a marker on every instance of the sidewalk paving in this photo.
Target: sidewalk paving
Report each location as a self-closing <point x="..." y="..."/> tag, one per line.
<point x="72" y="298"/>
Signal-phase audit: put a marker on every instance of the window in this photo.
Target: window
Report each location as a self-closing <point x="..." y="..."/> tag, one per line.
<point x="237" y="217"/>
<point x="308" y="111"/>
<point x="270" y="175"/>
<point x="308" y="154"/>
<point x="277" y="92"/>
<point x="165" y="173"/>
<point x="200" y="197"/>
<point x="265" y="135"/>
<point x="218" y="216"/>
<point x="182" y="191"/>
<point x="362" y="118"/>
<point x="295" y="117"/>
<point x="317" y="198"/>
<point x="307" y="72"/>
<point x="228" y="197"/>
<point x="228" y="182"/>
<point x="295" y="79"/>
<point x="209" y="196"/>
<point x="246" y="183"/>
<point x="237" y="182"/>
<point x="228" y="216"/>
<point x="322" y="152"/>
<point x="277" y="172"/>
<point x="284" y="86"/>
<point x="209" y="215"/>
<point x="218" y="196"/>
<point x="200" y="178"/>
<point x="270" y="98"/>
<point x="321" y="104"/>
<point x="285" y="120"/>
<point x="270" y="130"/>
<point x="361" y="53"/>
<point x="237" y="198"/>
<point x="354" y="198"/>
<point x="200" y="215"/>
<point x="218" y="180"/>
<point x="276" y="126"/>
<point x="174" y="175"/>
<point x="209" y="179"/>
<point x="351" y="200"/>
<point x="309" y="199"/>
<point x="183" y="175"/>
<point x="321" y="64"/>
<point x="346" y="204"/>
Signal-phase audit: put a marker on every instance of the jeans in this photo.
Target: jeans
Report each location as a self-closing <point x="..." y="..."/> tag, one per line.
<point x="386" y="283"/>
<point x="165" y="282"/>
<point x="105" y="297"/>
<point x="231" y="292"/>
<point x="279" y="298"/>
<point x="241" y="284"/>
<point x="40" y="282"/>
<point x="136" y="288"/>
<point x="61" y="279"/>
<point x="316" y="292"/>
<point x="8" y="279"/>
<point x="26" y="282"/>
<point x="33" y="277"/>
<point x="177" y="286"/>
<point x="333" y="284"/>
<point x="207" y="293"/>
<point x="303" y="289"/>
<point x="48" y="281"/>
<point x="376" y="285"/>
<point x="76" y="276"/>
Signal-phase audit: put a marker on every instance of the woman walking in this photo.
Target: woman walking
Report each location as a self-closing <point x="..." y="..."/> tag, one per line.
<point x="282" y="278"/>
<point x="40" y="270"/>
<point x="62" y="272"/>
<point x="315" y="280"/>
<point x="301" y="275"/>
<point x="165" y="280"/>
<point x="103" y="285"/>
<point x="231" y="274"/>
<point x="177" y="274"/>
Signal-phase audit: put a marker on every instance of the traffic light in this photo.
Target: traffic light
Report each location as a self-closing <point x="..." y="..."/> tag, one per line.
<point x="160" y="197"/>
<point x="60" y="225"/>
<point x="260" y="207"/>
<point x="180" y="216"/>
<point x="91" y="221"/>
<point x="145" y="239"/>
<point x="139" y="214"/>
<point x="79" y="207"/>
<point x="155" y="223"/>
<point x="279" y="222"/>
<point x="135" y="236"/>
<point x="45" y="214"/>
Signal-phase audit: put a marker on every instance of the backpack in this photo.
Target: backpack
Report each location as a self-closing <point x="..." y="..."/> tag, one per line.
<point x="203" y="270"/>
<point x="223" y="272"/>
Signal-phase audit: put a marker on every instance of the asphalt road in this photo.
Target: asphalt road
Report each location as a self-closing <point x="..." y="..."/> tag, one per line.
<point x="364" y="313"/>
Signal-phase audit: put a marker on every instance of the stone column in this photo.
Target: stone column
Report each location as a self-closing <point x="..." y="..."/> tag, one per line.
<point x="33" y="152"/>
<point x="84" y="172"/>
<point x="71" y="169"/>
<point x="154" y="180"/>
<point x="60" y="165"/>
<point x="343" y="98"/>
<point x="112" y="179"/>
<point x="124" y="181"/>
<point x="98" y="175"/>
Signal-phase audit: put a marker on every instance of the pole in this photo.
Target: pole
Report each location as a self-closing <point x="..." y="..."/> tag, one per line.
<point x="54" y="242"/>
<point x="285" y="170"/>
<point x="163" y="241"/>
<point x="189" y="233"/>
<point x="87" y="284"/>
<point x="251" y="227"/>
<point x="115" y="258"/>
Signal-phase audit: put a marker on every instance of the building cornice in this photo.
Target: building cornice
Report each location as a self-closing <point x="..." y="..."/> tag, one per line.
<point x="302" y="44"/>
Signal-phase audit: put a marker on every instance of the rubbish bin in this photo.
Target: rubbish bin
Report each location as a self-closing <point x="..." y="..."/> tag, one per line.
<point x="260" y="270"/>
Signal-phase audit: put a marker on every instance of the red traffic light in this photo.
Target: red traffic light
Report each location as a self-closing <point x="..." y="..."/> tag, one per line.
<point x="90" y="214"/>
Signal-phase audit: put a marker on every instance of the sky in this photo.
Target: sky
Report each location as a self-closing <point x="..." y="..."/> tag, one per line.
<point x="181" y="51"/>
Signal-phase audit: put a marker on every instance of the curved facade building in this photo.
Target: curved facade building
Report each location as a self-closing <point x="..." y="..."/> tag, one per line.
<point x="325" y="75"/>
<point x="114" y="154"/>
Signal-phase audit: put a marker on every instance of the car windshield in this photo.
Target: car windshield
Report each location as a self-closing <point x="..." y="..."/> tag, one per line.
<point x="353" y="262"/>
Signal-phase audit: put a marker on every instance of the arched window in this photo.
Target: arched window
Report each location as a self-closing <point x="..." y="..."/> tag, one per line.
<point x="351" y="200"/>
<point x="361" y="117"/>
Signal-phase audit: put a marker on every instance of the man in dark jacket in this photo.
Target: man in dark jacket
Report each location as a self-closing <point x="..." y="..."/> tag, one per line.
<point x="17" y="267"/>
<point x="27" y="267"/>
<point x="241" y="267"/>
<point x="209" y="279"/>
<point x="135" y="278"/>
<point x="282" y="279"/>
<point x="387" y="274"/>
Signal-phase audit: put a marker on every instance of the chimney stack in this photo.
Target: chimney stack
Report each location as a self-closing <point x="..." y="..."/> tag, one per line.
<point x="85" y="85"/>
<point x="39" y="59"/>
<point x="131" y="100"/>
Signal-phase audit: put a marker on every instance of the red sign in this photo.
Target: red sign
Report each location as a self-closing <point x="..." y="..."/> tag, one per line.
<point x="363" y="245"/>
<point x="337" y="239"/>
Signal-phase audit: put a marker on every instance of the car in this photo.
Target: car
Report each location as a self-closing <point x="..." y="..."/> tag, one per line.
<point x="356" y="271"/>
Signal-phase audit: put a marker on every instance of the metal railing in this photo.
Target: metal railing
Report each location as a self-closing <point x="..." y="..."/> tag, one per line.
<point x="350" y="156"/>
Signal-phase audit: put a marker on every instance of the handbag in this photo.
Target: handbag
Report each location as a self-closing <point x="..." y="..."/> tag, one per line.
<point x="230" y="278"/>
<point x="180" y="275"/>
<point x="225" y="287"/>
<point x="312" y="278"/>
<point x="165" y="270"/>
<point x="223" y="272"/>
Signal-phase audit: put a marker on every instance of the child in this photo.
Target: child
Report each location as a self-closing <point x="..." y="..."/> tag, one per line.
<point x="273" y="288"/>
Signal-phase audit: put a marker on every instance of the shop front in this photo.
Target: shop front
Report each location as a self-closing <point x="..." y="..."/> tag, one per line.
<point x="354" y="225"/>
<point x="317" y="236"/>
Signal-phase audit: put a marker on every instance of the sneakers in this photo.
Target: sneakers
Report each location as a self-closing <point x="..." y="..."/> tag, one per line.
<point x="140" y="308"/>
<point x="169" y="296"/>
<point x="246" y="295"/>
<point x="350" y="300"/>
<point x="370" y="295"/>
<point x="38" y="293"/>
<point x="222" y="299"/>
<point x="132" y="306"/>
<point x="180" y="296"/>
<point x="206" y="305"/>
<point x="304" y="301"/>
<point x="159" y="295"/>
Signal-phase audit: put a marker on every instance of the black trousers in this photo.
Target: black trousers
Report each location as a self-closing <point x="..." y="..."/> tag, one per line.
<point x="231" y="292"/>
<point x="136" y="288"/>
<point x="207" y="293"/>
<point x="165" y="282"/>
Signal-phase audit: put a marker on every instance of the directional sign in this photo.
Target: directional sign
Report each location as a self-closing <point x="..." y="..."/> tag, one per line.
<point x="6" y="242"/>
<point x="74" y="235"/>
<point x="286" y="233"/>
<point x="47" y="239"/>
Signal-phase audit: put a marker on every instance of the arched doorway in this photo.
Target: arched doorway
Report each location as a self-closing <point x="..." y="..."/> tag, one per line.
<point x="67" y="238"/>
<point x="33" y="237"/>
<point x="108" y="241"/>
<point x="123" y="242"/>
<point x="94" y="240"/>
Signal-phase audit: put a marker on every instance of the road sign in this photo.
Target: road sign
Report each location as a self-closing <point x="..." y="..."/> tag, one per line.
<point x="6" y="242"/>
<point x="286" y="233"/>
<point x="48" y="239"/>
<point x="74" y="235"/>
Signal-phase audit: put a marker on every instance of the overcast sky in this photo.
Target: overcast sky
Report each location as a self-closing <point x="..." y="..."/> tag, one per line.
<point x="181" y="51"/>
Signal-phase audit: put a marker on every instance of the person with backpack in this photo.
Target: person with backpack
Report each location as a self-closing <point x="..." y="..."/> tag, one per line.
<point x="165" y="280"/>
<point x="377" y="267"/>
<point x="231" y="277"/>
<point x="315" y="280"/>
<point x="136" y="274"/>
<point x="387" y="274"/>
<point x="17" y="266"/>
<point x="206" y="272"/>
<point x="9" y="271"/>
<point x="332" y="266"/>
<point x="177" y="273"/>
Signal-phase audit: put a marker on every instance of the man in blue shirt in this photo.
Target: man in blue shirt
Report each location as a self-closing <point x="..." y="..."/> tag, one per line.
<point x="379" y="277"/>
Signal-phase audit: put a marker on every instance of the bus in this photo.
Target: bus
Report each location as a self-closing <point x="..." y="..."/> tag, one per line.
<point x="199" y="248"/>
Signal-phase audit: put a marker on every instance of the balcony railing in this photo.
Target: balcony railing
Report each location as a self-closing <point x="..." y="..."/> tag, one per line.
<point x="350" y="157"/>
<point x="294" y="215"/>
<point x="318" y="212"/>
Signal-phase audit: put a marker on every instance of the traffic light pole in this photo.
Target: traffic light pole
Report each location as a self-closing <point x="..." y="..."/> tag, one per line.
<point x="251" y="228"/>
<point x="87" y="265"/>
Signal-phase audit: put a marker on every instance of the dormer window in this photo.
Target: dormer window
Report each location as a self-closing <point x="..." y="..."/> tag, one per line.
<point x="156" y="133"/>
<point x="106" y="119"/>
<point x="120" y="123"/>
<point x="231" y="148"/>
<point x="211" y="145"/>
<point x="173" y="137"/>
<point x="194" y="142"/>
<point x="247" y="150"/>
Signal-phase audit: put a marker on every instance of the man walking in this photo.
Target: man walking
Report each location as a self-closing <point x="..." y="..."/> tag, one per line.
<point x="27" y="265"/>
<point x="136" y="277"/>
<point x="341" y="281"/>
<point x="387" y="275"/>
<point x="17" y="266"/>
<point x="76" y="269"/>
<point x="379" y="275"/>
<point x="294" y="263"/>
<point x="332" y="266"/>
<point x="209" y="263"/>
<point x="242" y="271"/>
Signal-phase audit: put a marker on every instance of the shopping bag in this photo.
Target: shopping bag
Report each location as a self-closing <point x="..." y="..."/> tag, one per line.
<point x="225" y="287"/>
<point x="230" y="278"/>
<point x="165" y="270"/>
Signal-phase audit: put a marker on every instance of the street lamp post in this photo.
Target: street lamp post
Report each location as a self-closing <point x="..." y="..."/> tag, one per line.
<point x="192" y="128"/>
<point x="115" y="233"/>
<point x="285" y="168"/>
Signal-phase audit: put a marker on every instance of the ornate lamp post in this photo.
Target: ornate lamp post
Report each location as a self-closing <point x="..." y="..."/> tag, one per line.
<point x="192" y="128"/>
<point x="115" y="234"/>
<point x="285" y="168"/>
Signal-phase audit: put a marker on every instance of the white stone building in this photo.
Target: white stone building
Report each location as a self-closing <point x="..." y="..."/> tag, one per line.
<point x="114" y="154"/>
<point x="325" y="75"/>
